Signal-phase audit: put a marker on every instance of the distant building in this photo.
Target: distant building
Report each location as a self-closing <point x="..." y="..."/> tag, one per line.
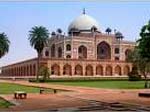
<point x="85" y="51"/>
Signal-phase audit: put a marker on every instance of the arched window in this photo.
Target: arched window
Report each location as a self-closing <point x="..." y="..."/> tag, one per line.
<point x="46" y="53"/>
<point x="68" y="47"/>
<point x="59" y="52"/>
<point x="116" y="50"/>
<point x="82" y="52"/>
<point x="103" y="51"/>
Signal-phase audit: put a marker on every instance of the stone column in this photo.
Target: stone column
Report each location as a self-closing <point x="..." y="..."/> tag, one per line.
<point x="94" y="70"/>
<point x="113" y="70"/>
<point x="72" y="69"/>
<point x="61" y="69"/>
<point x="84" y="69"/>
<point x="104" y="70"/>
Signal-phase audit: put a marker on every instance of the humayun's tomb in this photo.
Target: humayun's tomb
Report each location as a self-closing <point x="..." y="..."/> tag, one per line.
<point x="85" y="51"/>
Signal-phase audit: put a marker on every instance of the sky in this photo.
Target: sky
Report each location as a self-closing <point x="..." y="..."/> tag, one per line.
<point x="17" y="18"/>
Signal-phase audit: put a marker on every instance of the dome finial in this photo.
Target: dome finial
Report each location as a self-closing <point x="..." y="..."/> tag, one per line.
<point x="83" y="10"/>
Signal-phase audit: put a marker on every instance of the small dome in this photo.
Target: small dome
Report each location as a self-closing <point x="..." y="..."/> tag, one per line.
<point x="83" y="23"/>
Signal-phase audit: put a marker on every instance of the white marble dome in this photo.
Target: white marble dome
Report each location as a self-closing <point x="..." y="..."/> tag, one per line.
<point x="84" y="22"/>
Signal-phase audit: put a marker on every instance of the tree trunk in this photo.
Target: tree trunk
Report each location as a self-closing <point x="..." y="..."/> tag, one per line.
<point x="146" y="81"/>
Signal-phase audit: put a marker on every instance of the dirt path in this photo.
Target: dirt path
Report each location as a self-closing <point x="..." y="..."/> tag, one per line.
<point x="77" y="97"/>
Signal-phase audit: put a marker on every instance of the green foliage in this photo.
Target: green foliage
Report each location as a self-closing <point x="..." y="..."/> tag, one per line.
<point x="140" y="57"/>
<point x="9" y="88"/>
<point x="44" y="72"/>
<point x="144" y="42"/>
<point x="4" y="103"/>
<point x="4" y="44"/>
<point x="134" y="75"/>
<point x="38" y="38"/>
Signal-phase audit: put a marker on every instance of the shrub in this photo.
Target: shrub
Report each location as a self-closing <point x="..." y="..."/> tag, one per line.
<point x="134" y="75"/>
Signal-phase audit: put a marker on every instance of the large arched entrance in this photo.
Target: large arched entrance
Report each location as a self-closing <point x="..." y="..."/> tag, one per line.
<point x="82" y="52"/>
<point x="103" y="51"/>
<point x="78" y="70"/>
<point x="55" y="69"/>
<point x="126" y="70"/>
<point x="108" y="70"/>
<point x="99" y="70"/>
<point x="89" y="70"/>
<point x="118" y="70"/>
<point x="67" y="69"/>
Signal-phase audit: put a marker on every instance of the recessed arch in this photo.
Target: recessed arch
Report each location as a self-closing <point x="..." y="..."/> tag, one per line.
<point x="99" y="70"/>
<point x="126" y="70"/>
<point x="82" y="52"/>
<point x="55" y="69"/>
<point x="108" y="70"/>
<point x="68" y="47"/>
<point x="89" y="70"/>
<point x="47" y="53"/>
<point x="118" y="70"/>
<point x="103" y="50"/>
<point x="78" y="70"/>
<point x="67" y="69"/>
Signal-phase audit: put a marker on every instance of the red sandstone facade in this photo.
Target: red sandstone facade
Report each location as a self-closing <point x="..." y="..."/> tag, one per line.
<point x="85" y="51"/>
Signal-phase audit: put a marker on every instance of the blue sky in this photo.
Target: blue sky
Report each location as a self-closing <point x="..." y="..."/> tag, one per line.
<point x="17" y="18"/>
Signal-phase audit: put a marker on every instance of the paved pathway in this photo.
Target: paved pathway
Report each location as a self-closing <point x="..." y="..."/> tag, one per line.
<point x="77" y="97"/>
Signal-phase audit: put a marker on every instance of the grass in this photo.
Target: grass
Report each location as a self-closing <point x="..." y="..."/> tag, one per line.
<point x="124" y="84"/>
<point x="4" y="103"/>
<point x="7" y="88"/>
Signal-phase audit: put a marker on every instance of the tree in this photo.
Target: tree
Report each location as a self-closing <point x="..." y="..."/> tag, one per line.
<point x="108" y="30"/>
<point x="38" y="37"/>
<point x="144" y="50"/>
<point x="4" y="44"/>
<point x="141" y="63"/>
<point x="44" y="72"/>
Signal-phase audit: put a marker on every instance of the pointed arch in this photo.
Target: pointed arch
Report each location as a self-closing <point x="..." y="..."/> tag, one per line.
<point x="103" y="50"/>
<point x="108" y="70"/>
<point x="78" y="70"/>
<point x="82" y="52"/>
<point x="118" y="70"/>
<point x="67" y="69"/>
<point x="55" y="69"/>
<point x="99" y="70"/>
<point x="89" y="70"/>
<point x="126" y="70"/>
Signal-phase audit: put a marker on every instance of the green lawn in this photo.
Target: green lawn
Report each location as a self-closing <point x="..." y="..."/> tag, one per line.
<point x="4" y="103"/>
<point x="7" y="88"/>
<point x="106" y="84"/>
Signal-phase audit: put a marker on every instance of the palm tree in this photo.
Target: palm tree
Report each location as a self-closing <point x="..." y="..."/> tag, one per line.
<point x="38" y="37"/>
<point x="4" y="44"/>
<point x="108" y="30"/>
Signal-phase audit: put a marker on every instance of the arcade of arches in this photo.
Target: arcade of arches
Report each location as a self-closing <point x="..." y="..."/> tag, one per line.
<point x="89" y="70"/>
<point x="59" y="67"/>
